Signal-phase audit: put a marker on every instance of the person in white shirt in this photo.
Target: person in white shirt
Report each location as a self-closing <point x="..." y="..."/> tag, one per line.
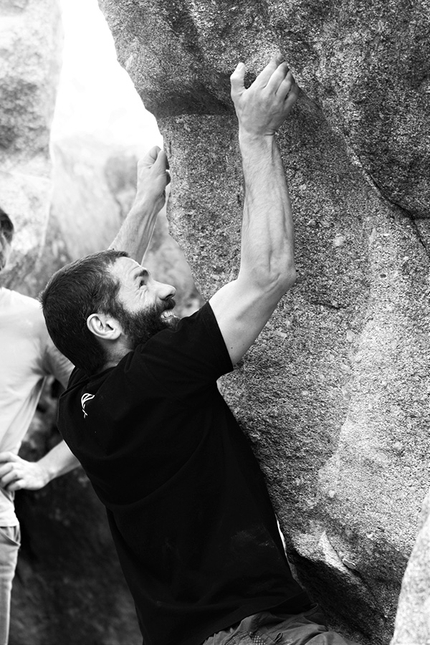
<point x="28" y="356"/>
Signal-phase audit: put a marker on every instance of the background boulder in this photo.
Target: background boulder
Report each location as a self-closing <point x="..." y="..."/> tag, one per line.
<point x="30" y="62"/>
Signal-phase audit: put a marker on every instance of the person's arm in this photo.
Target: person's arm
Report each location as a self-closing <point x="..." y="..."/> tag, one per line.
<point x="137" y="229"/>
<point x="17" y="473"/>
<point x="267" y="268"/>
<point x="133" y="237"/>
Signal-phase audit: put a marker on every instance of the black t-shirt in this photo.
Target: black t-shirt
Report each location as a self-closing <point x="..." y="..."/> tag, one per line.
<point x="187" y="505"/>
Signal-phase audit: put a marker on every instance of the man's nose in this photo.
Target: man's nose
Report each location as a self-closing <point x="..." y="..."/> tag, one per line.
<point x="164" y="291"/>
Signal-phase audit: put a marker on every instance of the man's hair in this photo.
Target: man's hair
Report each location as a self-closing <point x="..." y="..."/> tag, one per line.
<point x="6" y="226"/>
<point x="73" y="293"/>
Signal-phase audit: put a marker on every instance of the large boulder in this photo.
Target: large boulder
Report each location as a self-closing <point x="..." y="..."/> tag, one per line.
<point x="334" y="393"/>
<point x="30" y="61"/>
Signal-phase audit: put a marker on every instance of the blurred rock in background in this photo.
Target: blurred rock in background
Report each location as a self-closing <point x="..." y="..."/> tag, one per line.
<point x="30" y="62"/>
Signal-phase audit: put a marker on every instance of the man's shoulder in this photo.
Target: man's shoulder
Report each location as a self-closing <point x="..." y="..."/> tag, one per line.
<point x="86" y="393"/>
<point x="11" y="299"/>
<point x="193" y="352"/>
<point x="187" y="335"/>
<point x="23" y="317"/>
<point x="81" y="380"/>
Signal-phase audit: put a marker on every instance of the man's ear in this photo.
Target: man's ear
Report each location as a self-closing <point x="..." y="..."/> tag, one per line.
<point x="104" y="327"/>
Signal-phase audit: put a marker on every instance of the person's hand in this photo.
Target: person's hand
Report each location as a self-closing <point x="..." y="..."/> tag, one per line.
<point x="152" y="178"/>
<point x="263" y="107"/>
<point x="17" y="473"/>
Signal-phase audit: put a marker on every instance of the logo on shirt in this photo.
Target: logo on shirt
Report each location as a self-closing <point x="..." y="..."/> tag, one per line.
<point x="84" y="400"/>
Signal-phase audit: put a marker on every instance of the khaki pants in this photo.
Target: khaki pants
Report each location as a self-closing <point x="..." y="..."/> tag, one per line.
<point x="265" y="628"/>
<point x="9" y="546"/>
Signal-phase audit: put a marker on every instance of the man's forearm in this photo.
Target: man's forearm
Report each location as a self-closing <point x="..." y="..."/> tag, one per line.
<point x="268" y="231"/>
<point x="137" y="229"/>
<point x="136" y="232"/>
<point x="243" y="306"/>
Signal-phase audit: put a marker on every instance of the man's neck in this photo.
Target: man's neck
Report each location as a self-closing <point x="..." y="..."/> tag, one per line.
<point x="116" y="355"/>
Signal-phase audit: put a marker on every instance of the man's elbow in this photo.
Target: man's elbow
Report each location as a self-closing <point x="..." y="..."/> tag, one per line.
<point x="272" y="280"/>
<point x="280" y="282"/>
<point x="288" y="278"/>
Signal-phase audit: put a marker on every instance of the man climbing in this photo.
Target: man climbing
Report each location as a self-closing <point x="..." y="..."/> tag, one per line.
<point x="188" y="507"/>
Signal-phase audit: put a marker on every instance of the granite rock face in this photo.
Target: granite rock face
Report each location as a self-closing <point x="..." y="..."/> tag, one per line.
<point x="334" y="394"/>
<point x="30" y="61"/>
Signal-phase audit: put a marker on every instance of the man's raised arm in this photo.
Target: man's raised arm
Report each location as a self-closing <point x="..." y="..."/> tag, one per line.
<point x="267" y="269"/>
<point x="136" y="231"/>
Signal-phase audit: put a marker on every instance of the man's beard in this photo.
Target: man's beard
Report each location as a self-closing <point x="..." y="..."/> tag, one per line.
<point x="140" y="327"/>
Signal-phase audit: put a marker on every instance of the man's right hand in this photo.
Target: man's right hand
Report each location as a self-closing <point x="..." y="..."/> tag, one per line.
<point x="263" y="107"/>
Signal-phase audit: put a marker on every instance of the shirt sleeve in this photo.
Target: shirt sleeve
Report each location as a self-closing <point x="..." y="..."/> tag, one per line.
<point x="186" y="359"/>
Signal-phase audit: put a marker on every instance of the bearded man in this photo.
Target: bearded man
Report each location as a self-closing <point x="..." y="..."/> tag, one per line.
<point x="187" y="504"/>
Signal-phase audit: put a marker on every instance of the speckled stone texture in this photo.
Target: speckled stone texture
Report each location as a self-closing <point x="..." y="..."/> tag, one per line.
<point x="30" y="61"/>
<point x="334" y="394"/>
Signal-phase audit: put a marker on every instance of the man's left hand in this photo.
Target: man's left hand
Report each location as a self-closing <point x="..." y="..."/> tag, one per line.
<point x="152" y="178"/>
